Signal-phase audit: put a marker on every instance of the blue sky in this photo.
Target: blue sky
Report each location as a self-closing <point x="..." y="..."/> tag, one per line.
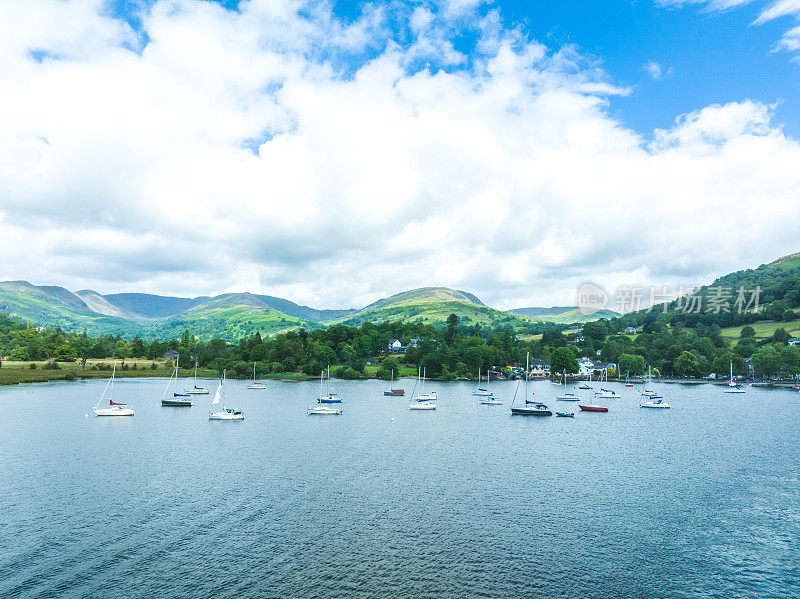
<point x="337" y="153"/>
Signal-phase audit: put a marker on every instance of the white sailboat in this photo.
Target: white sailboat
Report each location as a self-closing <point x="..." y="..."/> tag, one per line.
<point x="195" y="390"/>
<point x="323" y="409"/>
<point x="481" y="391"/>
<point x="423" y="401"/>
<point x="607" y="393"/>
<point x="732" y="386"/>
<point x="327" y="397"/>
<point x="254" y="384"/>
<point x="219" y="398"/>
<point x="489" y="399"/>
<point x="654" y="399"/>
<point x="565" y="396"/>
<point x="114" y="408"/>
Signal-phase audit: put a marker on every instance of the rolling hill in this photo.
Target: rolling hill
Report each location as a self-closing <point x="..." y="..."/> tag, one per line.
<point x="432" y="305"/>
<point x="235" y="315"/>
<point x="563" y="314"/>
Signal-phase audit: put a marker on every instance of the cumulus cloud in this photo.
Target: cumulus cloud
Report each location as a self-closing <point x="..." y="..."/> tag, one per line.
<point x="279" y="149"/>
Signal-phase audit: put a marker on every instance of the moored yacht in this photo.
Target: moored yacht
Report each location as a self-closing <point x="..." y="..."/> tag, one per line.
<point x="254" y="384"/>
<point x="177" y="399"/>
<point x="219" y="398"/>
<point x="114" y="408"/>
<point x="732" y="386"/>
<point x="195" y="390"/>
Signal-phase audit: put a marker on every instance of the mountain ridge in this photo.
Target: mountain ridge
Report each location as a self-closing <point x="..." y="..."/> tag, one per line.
<point x="232" y="315"/>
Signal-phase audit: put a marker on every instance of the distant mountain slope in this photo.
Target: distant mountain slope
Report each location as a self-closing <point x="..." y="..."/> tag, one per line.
<point x="563" y="314"/>
<point x="56" y="306"/>
<point x="230" y="315"/>
<point x="274" y="303"/>
<point x="235" y="315"/>
<point x="151" y="307"/>
<point x="432" y="305"/>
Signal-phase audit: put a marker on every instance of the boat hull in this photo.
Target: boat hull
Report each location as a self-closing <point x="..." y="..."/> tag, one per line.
<point x="232" y="415"/>
<point x="490" y="401"/>
<point x="114" y="411"/>
<point x="565" y="414"/>
<point x="655" y="405"/>
<point x="590" y="408"/>
<point x="395" y="393"/>
<point x="177" y="403"/>
<point x="422" y="405"/>
<point x="530" y="412"/>
<point x="568" y="398"/>
<point x="196" y="392"/>
<point x="324" y="412"/>
<point x="256" y="387"/>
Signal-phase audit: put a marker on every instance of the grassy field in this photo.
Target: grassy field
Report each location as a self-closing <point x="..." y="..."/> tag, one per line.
<point x="13" y="373"/>
<point x="764" y="329"/>
<point x="21" y="372"/>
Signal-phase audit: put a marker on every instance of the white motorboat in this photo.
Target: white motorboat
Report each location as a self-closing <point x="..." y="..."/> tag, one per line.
<point x="224" y="413"/>
<point x="254" y="384"/>
<point x="732" y="386"/>
<point x="195" y="390"/>
<point x="113" y="408"/>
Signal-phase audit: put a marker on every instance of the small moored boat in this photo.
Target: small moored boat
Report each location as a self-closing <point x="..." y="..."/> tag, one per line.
<point x="178" y="400"/>
<point x="254" y="384"/>
<point x="327" y="397"/>
<point x="114" y="408"/>
<point x="391" y="391"/>
<point x="195" y="390"/>
<point x="224" y="413"/>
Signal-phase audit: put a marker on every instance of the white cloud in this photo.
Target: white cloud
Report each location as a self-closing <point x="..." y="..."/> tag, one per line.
<point x="656" y="71"/>
<point x="283" y="151"/>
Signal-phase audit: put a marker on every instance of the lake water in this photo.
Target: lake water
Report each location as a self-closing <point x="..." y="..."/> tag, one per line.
<point x="702" y="500"/>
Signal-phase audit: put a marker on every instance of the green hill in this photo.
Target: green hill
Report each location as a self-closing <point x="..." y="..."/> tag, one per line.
<point x="235" y="315"/>
<point x="58" y="307"/>
<point x="778" y="301"/>
<point x="432" y="305"/>
<point x="563" y="314"/>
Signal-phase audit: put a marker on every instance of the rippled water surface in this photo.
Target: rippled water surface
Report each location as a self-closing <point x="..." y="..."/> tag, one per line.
<point x="702" y="500"/>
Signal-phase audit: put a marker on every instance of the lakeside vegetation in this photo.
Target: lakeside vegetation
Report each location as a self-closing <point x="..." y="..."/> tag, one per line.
<point x="673" y="341"/>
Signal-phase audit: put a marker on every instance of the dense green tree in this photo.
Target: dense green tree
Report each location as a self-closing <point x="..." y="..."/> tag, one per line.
<point x="563" y="360"/>
<point x="766" y="361"/>
<point x="631" y="364"/>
